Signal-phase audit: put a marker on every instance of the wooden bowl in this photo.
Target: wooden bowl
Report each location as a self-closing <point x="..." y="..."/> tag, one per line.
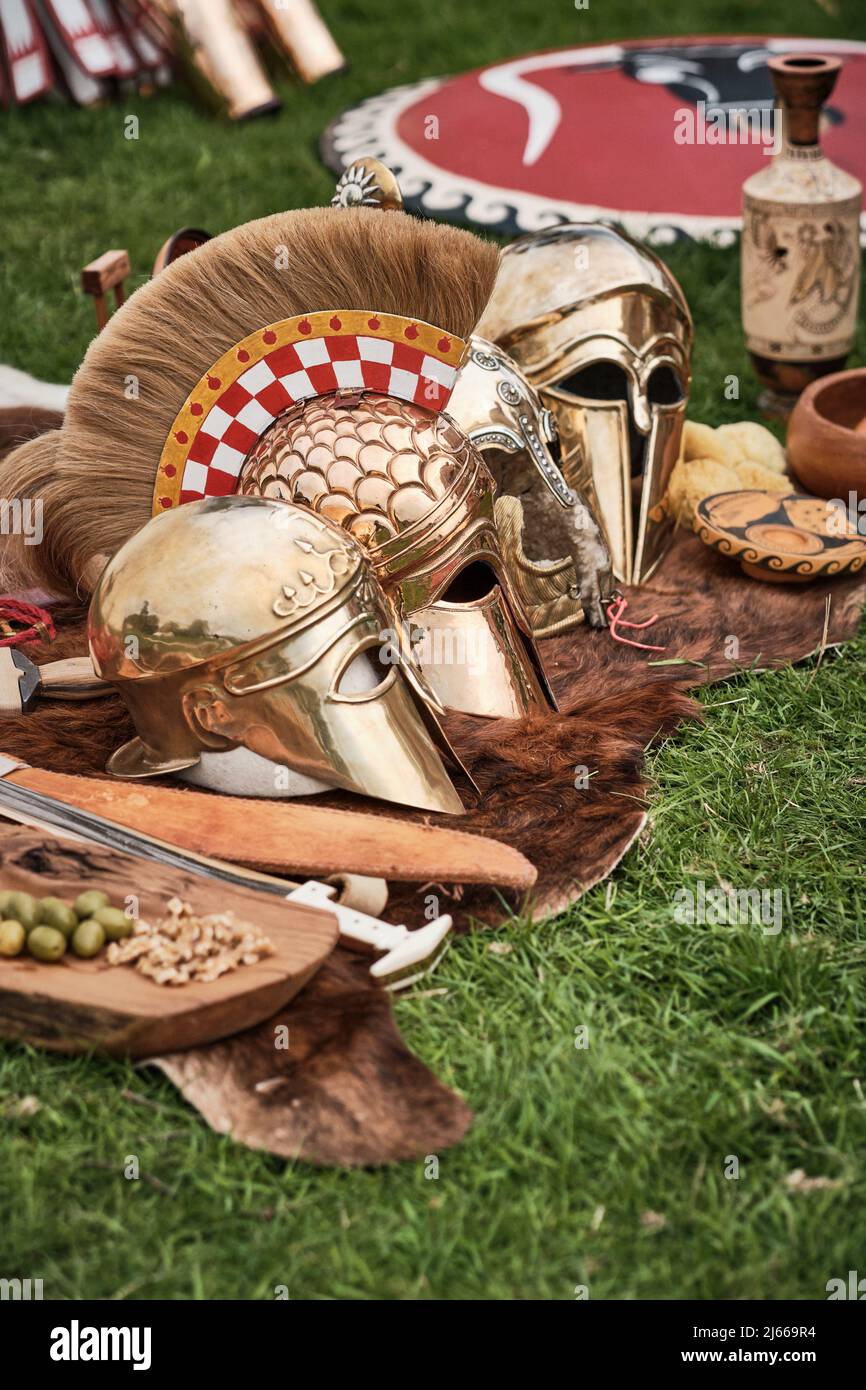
<point x="787" y="540"/>
<point x="827" y="437"/>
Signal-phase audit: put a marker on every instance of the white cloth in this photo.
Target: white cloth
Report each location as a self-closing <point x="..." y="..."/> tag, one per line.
<point x="239" y="772"/>
<point x="17" y="388"/>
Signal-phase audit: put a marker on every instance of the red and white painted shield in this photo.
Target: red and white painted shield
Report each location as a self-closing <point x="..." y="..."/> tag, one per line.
<point x="24" y="51"/>
<point x="78" y="29"/>
<point x="110" y="27"/>
<point x="588" y="133"/>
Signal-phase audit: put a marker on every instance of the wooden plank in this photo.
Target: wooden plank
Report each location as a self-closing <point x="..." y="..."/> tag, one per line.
<point x="107" y="271"/>
<point x="75" y="1005"/>
<point x="285" y="837"/>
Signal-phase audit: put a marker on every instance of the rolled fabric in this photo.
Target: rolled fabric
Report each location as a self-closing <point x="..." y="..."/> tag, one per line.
<point x="298" y="28"/>
<point x="218" y="57"/>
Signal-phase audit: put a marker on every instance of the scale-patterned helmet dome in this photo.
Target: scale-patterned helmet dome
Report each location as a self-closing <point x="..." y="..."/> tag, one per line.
<point x="376" y="470"/>
<point x="401" y="480"/>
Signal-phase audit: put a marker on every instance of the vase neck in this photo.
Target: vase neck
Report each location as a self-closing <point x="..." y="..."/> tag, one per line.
<point x="805" y="153"/>
<point x="803" y="82"/>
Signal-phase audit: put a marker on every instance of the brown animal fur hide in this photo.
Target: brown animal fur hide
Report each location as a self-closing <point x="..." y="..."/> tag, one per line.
<point x="19" y="423"/>
<point x="347" y="1090"/>
<point x="703" y="601"/>
<point x="524" y="772"/>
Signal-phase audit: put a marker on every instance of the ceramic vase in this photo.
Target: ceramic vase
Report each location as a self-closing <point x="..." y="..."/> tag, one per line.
<point x="800" y="250"/>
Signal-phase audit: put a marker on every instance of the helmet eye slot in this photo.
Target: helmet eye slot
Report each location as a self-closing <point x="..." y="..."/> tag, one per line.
<point x="473" y="583"/>
<point x="601" y="381"/>
<point x="664" y="388"/>
<point x="364" y="674"/>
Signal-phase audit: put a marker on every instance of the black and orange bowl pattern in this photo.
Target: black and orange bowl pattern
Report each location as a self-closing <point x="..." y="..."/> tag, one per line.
<point x="788" y="539"/>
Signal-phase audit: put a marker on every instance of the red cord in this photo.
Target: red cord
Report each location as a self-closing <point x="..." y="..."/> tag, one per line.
<point x="38" y="625"/>
<point x="616" y="606"/>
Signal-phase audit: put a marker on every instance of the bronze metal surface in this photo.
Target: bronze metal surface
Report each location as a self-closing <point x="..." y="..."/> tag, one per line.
<point x="600" y="327"/>
<point x="249" y="622"/>
<point x="411" y="488"/>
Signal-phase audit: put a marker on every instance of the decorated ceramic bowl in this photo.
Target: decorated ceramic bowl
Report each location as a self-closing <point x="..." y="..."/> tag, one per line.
<point x="785" y="539"/>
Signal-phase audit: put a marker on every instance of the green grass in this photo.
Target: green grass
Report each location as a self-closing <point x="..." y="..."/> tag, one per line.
<point x="704" y="1042"/>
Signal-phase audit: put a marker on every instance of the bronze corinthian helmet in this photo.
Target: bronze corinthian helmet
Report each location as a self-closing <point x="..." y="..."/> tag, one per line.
<point x="600" y="326"/>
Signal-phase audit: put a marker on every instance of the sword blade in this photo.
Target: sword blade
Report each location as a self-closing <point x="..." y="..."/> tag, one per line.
<point x="19" y="801"/>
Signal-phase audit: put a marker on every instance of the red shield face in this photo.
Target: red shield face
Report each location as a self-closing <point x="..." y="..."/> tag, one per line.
<point x="514" y="147"/>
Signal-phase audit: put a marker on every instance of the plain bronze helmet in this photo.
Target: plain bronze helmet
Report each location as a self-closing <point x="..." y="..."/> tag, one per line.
<point x="600" y="326"/>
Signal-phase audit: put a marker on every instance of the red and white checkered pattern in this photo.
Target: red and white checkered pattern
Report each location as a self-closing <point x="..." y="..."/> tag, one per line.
<point x="296" y="372"/>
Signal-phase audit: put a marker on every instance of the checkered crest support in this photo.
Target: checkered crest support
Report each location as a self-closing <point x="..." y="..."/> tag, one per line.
<point x="257" y="380"/>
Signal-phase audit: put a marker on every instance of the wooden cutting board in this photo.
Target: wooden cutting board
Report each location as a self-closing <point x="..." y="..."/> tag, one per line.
<point x="76" y="1005"/>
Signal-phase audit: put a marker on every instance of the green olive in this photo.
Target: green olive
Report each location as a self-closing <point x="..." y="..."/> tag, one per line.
<point x="53" y="912"/>
<point x="22" y="908"/>
<point x="12" y="938"/>
<point x="86" y="904"/>
<point x="5" y="895"/>
<point x="46" y="943"/>
<point x="88" y="938"/>
<point x="116" y="923"/>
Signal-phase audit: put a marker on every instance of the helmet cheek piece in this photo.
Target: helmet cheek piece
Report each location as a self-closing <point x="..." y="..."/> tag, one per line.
<point x="538" y="513"/>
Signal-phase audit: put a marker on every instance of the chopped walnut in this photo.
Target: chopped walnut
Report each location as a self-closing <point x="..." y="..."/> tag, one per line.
<point x="180" y="947"/>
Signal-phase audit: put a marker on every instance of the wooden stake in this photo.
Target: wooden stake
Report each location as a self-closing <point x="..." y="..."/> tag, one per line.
<point x="107" y="272"/>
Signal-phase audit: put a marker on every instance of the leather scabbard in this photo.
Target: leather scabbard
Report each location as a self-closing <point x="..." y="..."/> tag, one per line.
<point x="289" y="837"/>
